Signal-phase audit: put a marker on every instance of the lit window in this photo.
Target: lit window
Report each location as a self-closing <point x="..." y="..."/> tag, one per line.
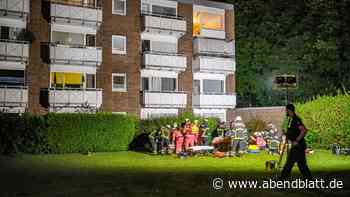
<point x="119" y="7"/>
<point x="118" y="44"/>
<point x="206" y="20"/>
<point x="119" y="82"/>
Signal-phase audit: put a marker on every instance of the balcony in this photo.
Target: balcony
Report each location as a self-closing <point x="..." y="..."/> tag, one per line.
<point x="164" y="61"/>
<point x="82" y="18"/>
<point x="74" y="100"/>
<point x="164" y="99"/>
<point x="210" y="64"/>
<point x="72" y="55"/>
<point x="13" y="98"/>
<point x="14" y="13"/>
<point x="216" y="101"/>
<point x="213" y="47"/>
<point x="163" y="24"/>
<point x="14" y="51"/>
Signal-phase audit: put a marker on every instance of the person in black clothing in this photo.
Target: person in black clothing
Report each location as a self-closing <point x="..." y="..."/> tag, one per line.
<point x="295" y="133"/>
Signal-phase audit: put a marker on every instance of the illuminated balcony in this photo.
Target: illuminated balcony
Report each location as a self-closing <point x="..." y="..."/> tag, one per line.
<point x="163" y="24"/>
<point x="164" y="61"/>
<point x="215" y="101"/>
<point x="164" y="99"/>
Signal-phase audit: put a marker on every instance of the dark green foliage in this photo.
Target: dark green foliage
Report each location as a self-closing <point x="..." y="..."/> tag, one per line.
<point x="65" y="133"/>
<point x="147" y="126"/>
<point x="101" y="132"/>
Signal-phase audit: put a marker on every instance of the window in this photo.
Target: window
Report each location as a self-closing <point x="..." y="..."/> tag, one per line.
<point x="168" y="11"/>
<point x="145" y="83"/>
<point x="119" y="7"/>
<point x="118" y="44"/>
<point x="168" y="84"/>
<point x="12" y="77"/>
<point x="90" y="40"/>
<point x="196" y="86"/>
<point x="90" y="81"/>
<point x="5" y="33"/>
<point x="119" y="82"/>
<point x="206" y="20"/>
<point x="68" y="38"/>
<point x="145" y="8"/>
<point x="213" y="86"/>
<point x="146" y="45"/>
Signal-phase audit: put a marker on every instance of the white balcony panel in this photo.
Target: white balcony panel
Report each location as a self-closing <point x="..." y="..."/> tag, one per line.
<point x="76" y="14"/>
<point x="215" y="46"/>
<point x="72" y="68"/>
<point x="224" y="101"/>
<point x="69" y="55"/>
<point x="163" y="25"/>
<point x="160" y="99"/>
<point x="149" y="113"/>
<point x="10" y="51"/>
<point x="6" y="65"/>
<point x="74" y="100"/>
<point x="21" y="6"/>
<point x="13" y="22"/>
<point x="209" y="33"/>
<point x="214" y="65"/>
<point x="13" y="97"/>
<point x="73" y="28"/>
<point x="164" y="62"/>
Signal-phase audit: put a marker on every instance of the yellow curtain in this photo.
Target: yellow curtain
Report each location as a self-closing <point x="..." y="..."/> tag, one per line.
<point x="73" y="78"/>
<point x="57" y="78"/>
<point x="212" y="21"/>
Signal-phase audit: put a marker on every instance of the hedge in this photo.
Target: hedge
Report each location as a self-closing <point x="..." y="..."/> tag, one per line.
<point x="328" y="120"/>
<point x="65" y="133"/>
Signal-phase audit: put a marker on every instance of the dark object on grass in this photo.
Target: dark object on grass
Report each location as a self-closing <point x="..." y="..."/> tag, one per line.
<point x="141" y="143"/>
<point x="270" y="165"/>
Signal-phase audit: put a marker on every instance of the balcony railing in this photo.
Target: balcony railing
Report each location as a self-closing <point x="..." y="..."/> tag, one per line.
<point x="163" y="24"/>
<point x="74" y="15"/>
<point x="164" y="99"/>
<point x="214" y="100"/>
<point x="74" y="100"/>
<point x="73" y="55"/>
<point x="12" y="50"/>
<point x="209" y="64"/>
<point x="13" y="97"/>
<point x="14" y="8"/>
<point x="164" y="61"/>
<point x="80" y="3"/>
<point x="213" y="47"/>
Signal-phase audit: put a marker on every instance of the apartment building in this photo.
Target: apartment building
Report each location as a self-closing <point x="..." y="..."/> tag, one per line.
<point x="151" y="58"/>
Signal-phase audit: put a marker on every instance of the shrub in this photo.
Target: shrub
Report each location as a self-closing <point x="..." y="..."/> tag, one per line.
<point x="101" y="132"/>
<point x="328" y="120"/>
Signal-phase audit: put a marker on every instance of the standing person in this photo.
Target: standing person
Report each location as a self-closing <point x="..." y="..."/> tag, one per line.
<point x="195" y="132"/>
<point x="296" y="132"/>
<point x="204" y="137"/>
<point x="189" y="137"/>
<point x="177" y="138"/>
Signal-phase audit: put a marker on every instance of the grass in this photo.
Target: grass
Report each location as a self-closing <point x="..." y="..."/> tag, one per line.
<point x="137" y="174"/>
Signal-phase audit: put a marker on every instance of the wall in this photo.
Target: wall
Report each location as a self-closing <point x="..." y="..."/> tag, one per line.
<point x="267" y="114"/>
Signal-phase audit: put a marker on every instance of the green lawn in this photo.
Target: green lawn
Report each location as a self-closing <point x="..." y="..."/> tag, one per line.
<point x="137" y="174"/>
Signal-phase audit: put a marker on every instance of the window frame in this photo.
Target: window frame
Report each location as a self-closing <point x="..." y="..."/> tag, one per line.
<point x="118" y="13"/>
<point x="117" y="51"/>
<point x="124" y="89"/>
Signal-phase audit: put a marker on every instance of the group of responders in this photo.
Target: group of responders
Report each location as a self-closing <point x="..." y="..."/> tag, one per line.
<point x="279" y="184"/>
